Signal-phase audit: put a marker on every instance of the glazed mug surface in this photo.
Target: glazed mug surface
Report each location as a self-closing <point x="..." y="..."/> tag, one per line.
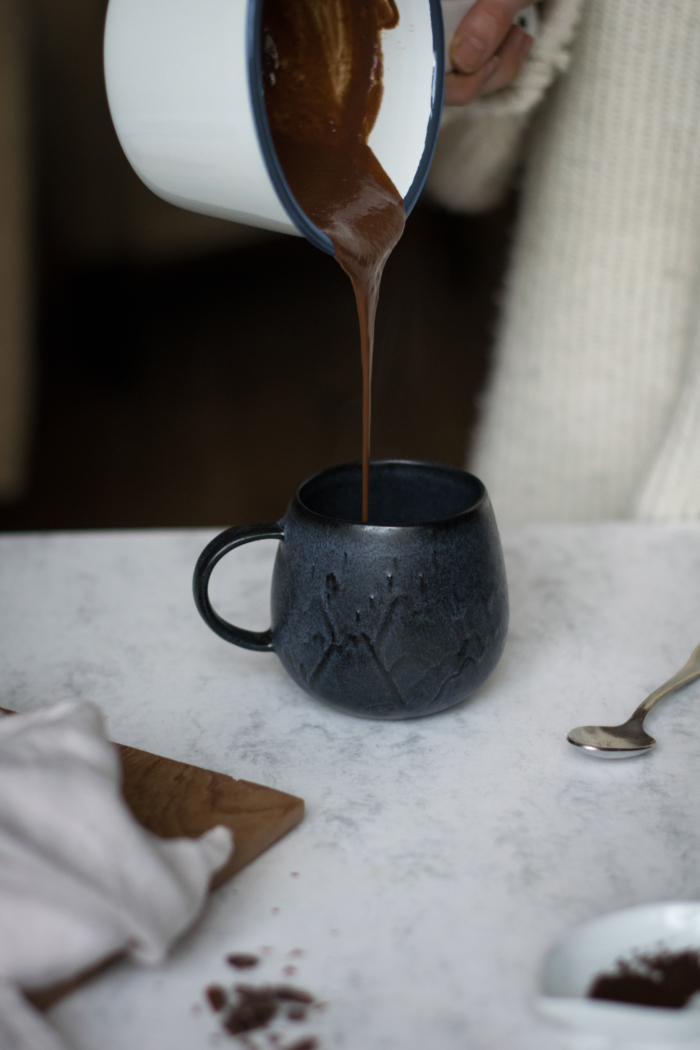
<point x="401" y="617"/>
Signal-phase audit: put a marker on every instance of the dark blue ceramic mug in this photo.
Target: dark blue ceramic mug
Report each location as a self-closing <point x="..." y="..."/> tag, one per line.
<point x="401" y="617"/>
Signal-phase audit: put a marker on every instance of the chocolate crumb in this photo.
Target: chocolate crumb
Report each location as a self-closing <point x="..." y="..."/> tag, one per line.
<point x="254" y="991"/>
<point x="296" y="953"/>
<point x="256" y="1008"/>
<point x="217" y="997"/>
<point x="667" y="979"/>
<point x="242" y="960"/>
<point x="289" y="994"/>
<point x="289" y="971"/>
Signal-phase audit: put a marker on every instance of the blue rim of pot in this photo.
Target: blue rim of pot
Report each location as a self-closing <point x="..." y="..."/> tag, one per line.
<point x="257" y="96"/>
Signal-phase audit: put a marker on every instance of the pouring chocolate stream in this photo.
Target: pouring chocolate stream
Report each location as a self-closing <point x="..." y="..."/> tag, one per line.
<point x="322" y="69"/>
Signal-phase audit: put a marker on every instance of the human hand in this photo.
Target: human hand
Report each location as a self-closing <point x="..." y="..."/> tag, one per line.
<point x="487" y="51"/>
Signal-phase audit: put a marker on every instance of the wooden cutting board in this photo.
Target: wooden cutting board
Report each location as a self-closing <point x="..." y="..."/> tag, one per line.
<point x="174" y="799"/>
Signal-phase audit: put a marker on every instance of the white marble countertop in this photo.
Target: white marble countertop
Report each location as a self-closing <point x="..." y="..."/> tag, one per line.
<point x="440" y="857"/>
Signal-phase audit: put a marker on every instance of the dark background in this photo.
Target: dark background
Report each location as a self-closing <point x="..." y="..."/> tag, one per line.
<point x="195" y="377"/>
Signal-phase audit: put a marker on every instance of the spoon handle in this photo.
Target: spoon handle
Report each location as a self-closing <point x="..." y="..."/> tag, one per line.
<point x="686" y="674"/>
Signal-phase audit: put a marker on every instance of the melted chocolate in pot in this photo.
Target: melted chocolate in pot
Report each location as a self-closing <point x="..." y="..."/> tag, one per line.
<point x="322" y="68"/>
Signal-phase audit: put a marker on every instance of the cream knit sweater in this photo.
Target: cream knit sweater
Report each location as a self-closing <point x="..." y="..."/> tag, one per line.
<point x="593" y="410"/>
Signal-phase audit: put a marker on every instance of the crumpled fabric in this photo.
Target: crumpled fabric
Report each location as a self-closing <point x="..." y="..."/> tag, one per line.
<point x="80" y="879"/>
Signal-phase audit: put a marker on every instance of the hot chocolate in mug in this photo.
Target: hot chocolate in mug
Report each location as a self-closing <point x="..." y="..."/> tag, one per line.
<point x="401" y="617"/>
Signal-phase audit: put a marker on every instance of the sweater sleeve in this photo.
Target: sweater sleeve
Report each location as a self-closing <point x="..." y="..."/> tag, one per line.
<point x="480" y="144"/>
<point x="671" y="491"/>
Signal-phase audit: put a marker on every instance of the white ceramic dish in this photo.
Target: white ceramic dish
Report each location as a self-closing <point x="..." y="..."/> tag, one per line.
<point x="184" y="83"/>
<point x="569" y="969"/>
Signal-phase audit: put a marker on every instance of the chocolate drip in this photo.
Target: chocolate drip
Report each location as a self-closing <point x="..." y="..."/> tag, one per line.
<point x="322" y="67"/>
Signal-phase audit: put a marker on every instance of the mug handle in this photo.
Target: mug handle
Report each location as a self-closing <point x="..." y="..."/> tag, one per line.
<point x="259" y="641"/>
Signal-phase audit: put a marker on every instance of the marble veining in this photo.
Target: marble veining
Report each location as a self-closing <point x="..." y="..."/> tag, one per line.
<point x="440" y="857"/>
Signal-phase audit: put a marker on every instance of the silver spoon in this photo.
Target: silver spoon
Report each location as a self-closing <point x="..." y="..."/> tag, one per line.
<point x="629" y="739"/>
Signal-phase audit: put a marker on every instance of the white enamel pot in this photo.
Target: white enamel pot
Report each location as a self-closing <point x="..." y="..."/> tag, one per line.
<point x="184" y="83"/>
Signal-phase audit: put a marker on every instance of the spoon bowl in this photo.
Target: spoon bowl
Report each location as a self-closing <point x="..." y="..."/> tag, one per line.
<point x="623" y="741"/>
